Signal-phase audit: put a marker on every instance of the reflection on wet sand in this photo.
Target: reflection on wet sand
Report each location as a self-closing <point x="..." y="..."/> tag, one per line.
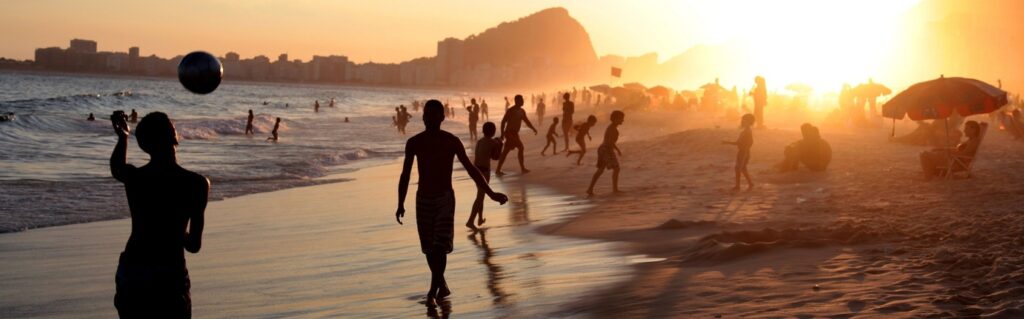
<point x="494" y="271"/>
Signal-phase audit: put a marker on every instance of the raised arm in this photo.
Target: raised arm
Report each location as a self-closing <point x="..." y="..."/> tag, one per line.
<point x="475" y="174"/>
<point x="403" y="181"/>
<point x="197" y="218"/>
<point x="119" y="157"/>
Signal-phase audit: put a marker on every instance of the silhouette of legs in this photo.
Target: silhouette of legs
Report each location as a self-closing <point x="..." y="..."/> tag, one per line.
<point x="593" y="180"/>
<point x="438" y="287"/>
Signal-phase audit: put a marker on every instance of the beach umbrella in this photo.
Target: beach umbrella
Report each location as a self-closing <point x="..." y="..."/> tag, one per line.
<point x="713" y="85"/>
<point x="800" y="88"/>
<point x="939" y="98"/>
<point x="871" y="90"/>
<point x="660" y="90"/>
<point x="601" y="88"/>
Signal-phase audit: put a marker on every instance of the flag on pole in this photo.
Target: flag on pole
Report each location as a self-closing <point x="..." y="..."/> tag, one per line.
<point x="616" y="72"/>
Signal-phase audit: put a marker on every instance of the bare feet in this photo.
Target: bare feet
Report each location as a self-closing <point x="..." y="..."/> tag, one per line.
<point x="736" y="188"/>
<point x="431" y="303"/>
<point x="470" y="225"/>
<point x="443" y="292"/>
<point x="525" y="171"/>
<point x="499" y="173"/>
<point x="481" y="221"/>
<point x="590" y="193"/>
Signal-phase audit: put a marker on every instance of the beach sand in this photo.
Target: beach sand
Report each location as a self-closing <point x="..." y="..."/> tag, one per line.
<point x="868" y="237"/>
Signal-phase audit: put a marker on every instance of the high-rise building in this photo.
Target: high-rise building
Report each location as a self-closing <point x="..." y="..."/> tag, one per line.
<point x="449" y="59"/>
<point x="82" y="46"/>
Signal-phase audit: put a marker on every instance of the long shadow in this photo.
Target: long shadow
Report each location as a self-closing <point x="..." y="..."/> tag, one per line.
<point x="494" y="271"/>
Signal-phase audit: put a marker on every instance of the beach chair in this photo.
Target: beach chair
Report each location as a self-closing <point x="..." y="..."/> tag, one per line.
<point x="960" y="165"/>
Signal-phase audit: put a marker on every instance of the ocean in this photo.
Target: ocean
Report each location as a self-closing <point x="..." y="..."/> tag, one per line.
<point x="54" y="163"/>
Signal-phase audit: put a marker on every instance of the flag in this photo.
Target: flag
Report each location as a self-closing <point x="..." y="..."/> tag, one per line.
<point x="616" y="72"/>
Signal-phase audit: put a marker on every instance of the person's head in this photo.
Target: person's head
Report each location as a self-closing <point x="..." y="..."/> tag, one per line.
<point x="972" y="129"/>
<point x="279" y="120"/>
<point x="489" y="129"/>
<point x="433" y="114"/>
<point x="133" y="110"/>
<point x="747" y="120"/>
<point x="591" y="120"/>
<point x="156" y="135"/>
<point x="90" y="114"/>
<point x="519" y="99"/>
<point x="555" y="120"/>
<point x="759" y="80"/>
<point x="618" y="117"/>
<point x="472" y="101"/>
<point x="250" y="111"/>
<point x="566" y="96"/>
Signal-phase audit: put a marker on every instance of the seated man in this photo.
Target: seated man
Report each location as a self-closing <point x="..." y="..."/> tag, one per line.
<point x="936" y="161"/>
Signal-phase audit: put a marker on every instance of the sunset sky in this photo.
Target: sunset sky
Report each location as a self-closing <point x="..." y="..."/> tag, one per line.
<point x="394" y="31"/>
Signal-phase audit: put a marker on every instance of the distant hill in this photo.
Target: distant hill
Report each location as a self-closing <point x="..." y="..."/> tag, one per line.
<point x="549" y="36"/>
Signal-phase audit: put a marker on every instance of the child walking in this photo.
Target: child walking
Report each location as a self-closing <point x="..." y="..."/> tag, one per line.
<point x="606" y="158"/>
<point x="487" y="149"/>
<point x="552" y="134"/>
<point x="743" y="143"/>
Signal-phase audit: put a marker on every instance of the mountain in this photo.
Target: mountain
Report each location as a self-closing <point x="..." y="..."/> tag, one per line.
<point x="548" y="37"/>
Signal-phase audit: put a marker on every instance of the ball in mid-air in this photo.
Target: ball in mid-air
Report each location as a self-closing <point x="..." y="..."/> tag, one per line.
<point x="200" y="72"/>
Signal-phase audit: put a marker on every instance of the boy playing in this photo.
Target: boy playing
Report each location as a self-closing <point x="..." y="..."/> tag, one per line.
<point x="433" y="150"/>
<point x="487" y="149"/>
<point x="745" y="141"/>
<point x="605" y="156"/>
<point x="552" y="134"/>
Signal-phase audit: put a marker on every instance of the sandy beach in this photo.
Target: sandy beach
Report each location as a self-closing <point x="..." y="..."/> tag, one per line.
<point x="868" y="237"/>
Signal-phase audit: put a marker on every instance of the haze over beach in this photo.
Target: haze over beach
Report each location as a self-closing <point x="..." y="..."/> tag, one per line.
<point x="646" y="159"/>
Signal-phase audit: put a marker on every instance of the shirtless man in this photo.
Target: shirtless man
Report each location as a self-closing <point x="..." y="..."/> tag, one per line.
<point x="568" y="108"/>
<point x="167" y="204"/>
<point x="248" y="124"/>
<point x="510" y="124"/>
<point x="433" y="150"/>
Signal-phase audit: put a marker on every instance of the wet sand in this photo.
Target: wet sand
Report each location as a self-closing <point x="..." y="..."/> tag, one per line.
<point x="330" y="250"/>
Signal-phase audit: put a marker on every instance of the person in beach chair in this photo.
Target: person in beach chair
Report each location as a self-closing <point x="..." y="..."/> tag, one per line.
<point x="434" y="150"/>
<point x="948" y="162"/>
<point x="167" y="204"/>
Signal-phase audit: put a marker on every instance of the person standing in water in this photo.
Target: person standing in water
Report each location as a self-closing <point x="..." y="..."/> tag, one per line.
<point x="551" y="135"/>
<point x="167" y="204"/>
<point x="760" y="94"/>
<point x="277" y="125"/>
<point x="581" y="131"/>
<point x="93" y="118"/>
<point x="331" y="104"/>
<point x="316" y="106"/>
<point x="483" y="110"/>
<point x="487" y="149"/>
<point x="248" y="124"/>
<point x="474" y="116"/>
<point x="606" y="153"/>
<point x="134" y="118"/>
<point x="510" y="125"/>
<point x="743" y="144"/>
<point x="567" y="109"/>
<point x="434" y="150"/>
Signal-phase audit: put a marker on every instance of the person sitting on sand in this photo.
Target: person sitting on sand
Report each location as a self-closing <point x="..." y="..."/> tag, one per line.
<point x="93" y="118"/>
<point x="487" y="148"/>
<point x="934" y="162"/>
<point x="277" y="125"/>
<point x="248" y="124"/>
<point x="167" y="204"/>
<point x="743" y="144"/>
<point x="551" y="135"/>
<point x="606" y="158"/>
<point x="582" y="130"/>
<point x="434" y="150"/>
<point x="510" y="124"/>
<point x="812" y="150"/>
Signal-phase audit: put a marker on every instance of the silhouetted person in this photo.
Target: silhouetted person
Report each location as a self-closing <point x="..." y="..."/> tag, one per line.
<point x="551" y="137"/>
<point x="331" y="104"/>
<point x="606" y="153"/>
<point x="134" y="118"/>
<point x="483" y="109"/>
<point x="813" y="151"/>
<point x="93" y="118"/>
<point x="743" y="144"/>
<point x="760" y="94"/>
<point x="510" y="124"/>
<point x="567" y="109"/>
<point x="248" y="124"/>
<point x="434" y="150"/>
<point x="346" y="119"/>
<point x="487" y="148"/>
<point x="167" y="203"/>
<point x="316" y="106"/>
<point x="474" y="116"/>
<point x="540" y="111"/>
<point x="935" y="162"/>
<point x="583" y="130"/>
<point x="277" y="125"/>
